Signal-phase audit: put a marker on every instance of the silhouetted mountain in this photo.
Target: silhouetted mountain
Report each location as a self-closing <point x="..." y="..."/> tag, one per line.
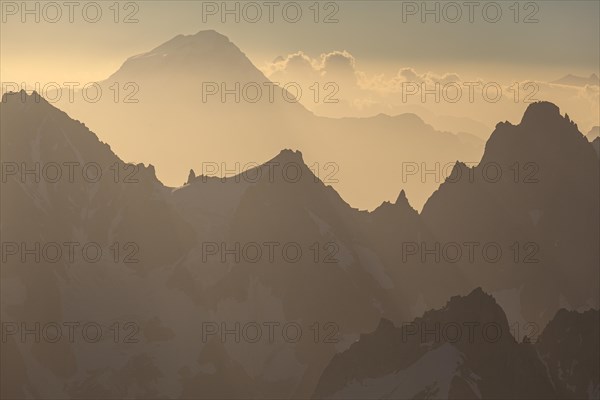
<point x="67" y="187"/>
<point x="197" y="246"/>
<point x="96" y="199"/>
<point x="338" y="279"/>
<point x="529" y="190"/>
<point x="206" y="52"/>
<point x="169" y="229"/>
<point x="452" y="353"/>
<point x="211" y="97"/>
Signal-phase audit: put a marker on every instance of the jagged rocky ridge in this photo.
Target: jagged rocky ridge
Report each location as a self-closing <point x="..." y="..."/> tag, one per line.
<point x="371" y="276"/>
<point x="467" y="350"/>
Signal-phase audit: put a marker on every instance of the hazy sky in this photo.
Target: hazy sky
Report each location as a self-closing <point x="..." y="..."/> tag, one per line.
<point x="374" y="47"/>
<point x="382" y="35"/>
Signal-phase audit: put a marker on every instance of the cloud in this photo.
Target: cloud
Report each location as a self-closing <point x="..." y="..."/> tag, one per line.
<point x="338" y="63"/>
<point x="298" y="64"/>
<point x="364" y="93"/>
<point x="301" y="67"/>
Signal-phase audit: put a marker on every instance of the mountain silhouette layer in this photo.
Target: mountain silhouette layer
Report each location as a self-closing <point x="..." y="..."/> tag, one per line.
<point x="467" y="350"/>
<point x="214" y="106"/>
<point x="192" y="259"/>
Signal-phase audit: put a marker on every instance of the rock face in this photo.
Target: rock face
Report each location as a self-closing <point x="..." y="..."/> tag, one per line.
<point x="191" y="177"/>
<point x="466" y="350"/>
<point x="568" y="347"/>
<point x="275" y="246"/>
<point x="60" y="179"/>
<point x="61" y="186"/>
<point x="529" y="189"/>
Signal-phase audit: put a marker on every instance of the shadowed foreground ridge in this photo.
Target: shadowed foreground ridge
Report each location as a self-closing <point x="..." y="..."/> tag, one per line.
<point x="466" y="350"/>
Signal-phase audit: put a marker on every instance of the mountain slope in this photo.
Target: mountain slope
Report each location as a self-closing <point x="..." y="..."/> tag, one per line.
<point x="535" y="195"/>
<point x="64" y="191"/>
<point x="199" y="263"/>
<point x="453" y="353"/>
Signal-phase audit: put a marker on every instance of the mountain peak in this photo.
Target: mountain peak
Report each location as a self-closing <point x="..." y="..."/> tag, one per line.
<point x="210" y="33"/>
<point x="205" y="55"/>
<point x="479" y="294"/>
<point x="23" y="97"/>
<point x="204" y="40"/>
<point x="540" y="110"/>
<point x="286" y="156"/>
<point x="401" y="198"/>
<point x="23" y="101"/>
<point x="544" y="117"/>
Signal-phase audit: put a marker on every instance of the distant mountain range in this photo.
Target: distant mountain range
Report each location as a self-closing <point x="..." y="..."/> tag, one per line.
<point x="217" y="107"/>
<point x="593" y="134"/>
<point x="533" y="196"/>
<point x="185" y="81"/>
